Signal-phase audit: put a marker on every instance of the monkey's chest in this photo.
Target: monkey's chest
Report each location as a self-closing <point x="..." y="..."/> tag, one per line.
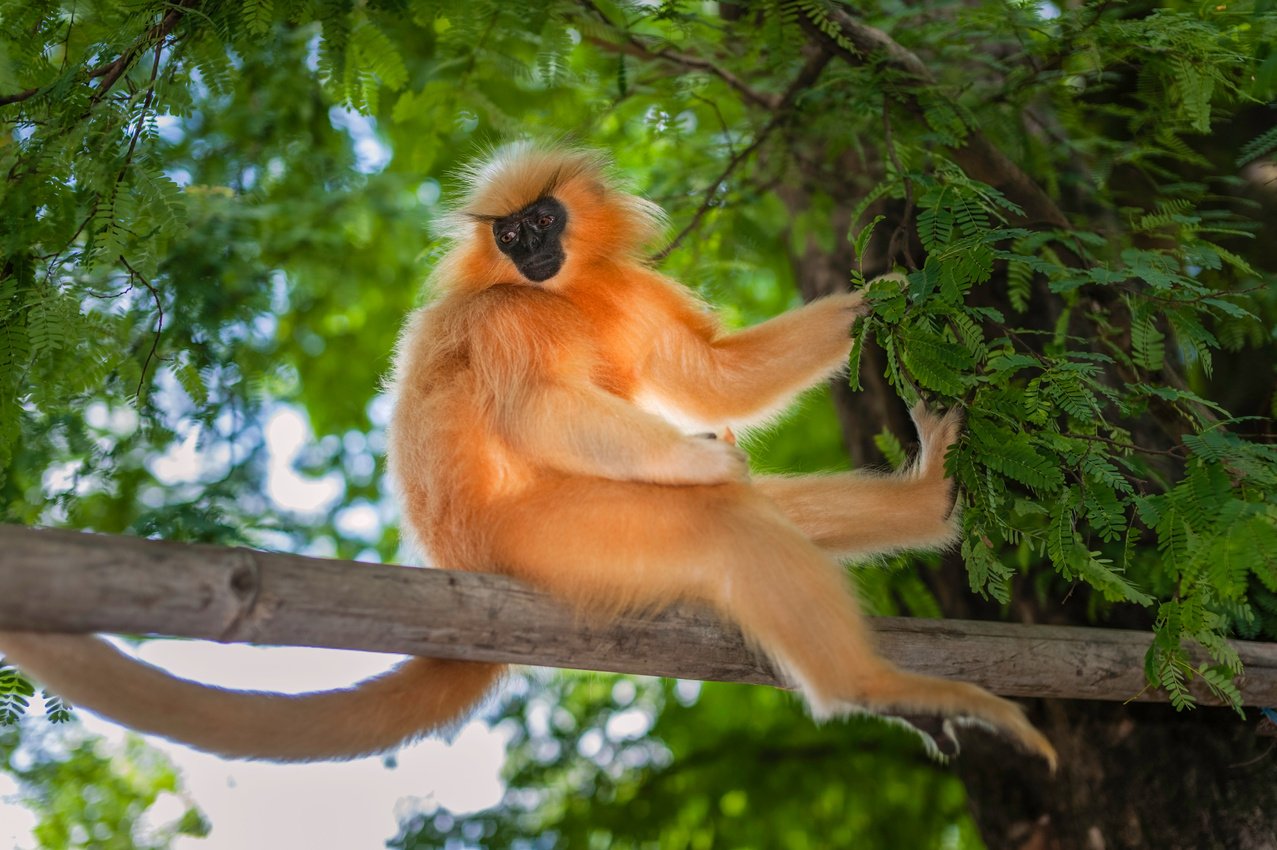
<point x="619" y="347"/>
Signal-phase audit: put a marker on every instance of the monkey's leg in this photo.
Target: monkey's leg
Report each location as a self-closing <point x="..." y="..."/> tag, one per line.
<point x="610" y="546"/>
<point x="855" y="514"/>
<point x="859" y="513"/>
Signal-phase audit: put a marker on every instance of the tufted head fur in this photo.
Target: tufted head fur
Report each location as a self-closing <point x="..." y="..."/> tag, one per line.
<point x="604" y="221"/>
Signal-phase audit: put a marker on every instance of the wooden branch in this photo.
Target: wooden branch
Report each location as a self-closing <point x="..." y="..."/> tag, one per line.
<point x="74" y="582"/>
<point x="112" y="71"/>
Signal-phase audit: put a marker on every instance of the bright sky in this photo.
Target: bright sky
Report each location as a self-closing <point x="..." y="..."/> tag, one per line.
<point x="354" y="804"/>
<point x="339" y="805"/>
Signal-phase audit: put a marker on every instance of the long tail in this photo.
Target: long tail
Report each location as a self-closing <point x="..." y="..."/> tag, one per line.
<point x="415" y="697"/>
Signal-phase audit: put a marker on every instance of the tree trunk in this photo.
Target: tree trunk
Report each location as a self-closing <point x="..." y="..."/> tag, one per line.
<point x="1131" y="776"/>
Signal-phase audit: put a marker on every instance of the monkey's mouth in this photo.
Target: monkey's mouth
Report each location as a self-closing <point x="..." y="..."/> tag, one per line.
<point x="540" y="269"/>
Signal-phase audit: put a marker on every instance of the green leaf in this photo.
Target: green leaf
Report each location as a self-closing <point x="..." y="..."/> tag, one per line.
<point x="1147" y="342"/>
<point x="258" y="16"/>
<point x="935" y="362"/>
<point x="891" y="449"/>
<point x="1017" y="457"/>
<point x="1100" y="573"/>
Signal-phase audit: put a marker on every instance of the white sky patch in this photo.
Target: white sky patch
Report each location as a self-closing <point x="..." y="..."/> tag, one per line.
<point x="360" y="521"/>
<point x="170" y="128"/>
<point x="180" y="176"/>
<point x="255" y="804"/>
<point x="429" y="191"/>
<point x="16" y="822"/>
<point x="629" y="724"/>
<point x="371" y="155"/>
<point x="180" y="464"/>
<point x="286" y="433"/>
<point x="60" y="478"/>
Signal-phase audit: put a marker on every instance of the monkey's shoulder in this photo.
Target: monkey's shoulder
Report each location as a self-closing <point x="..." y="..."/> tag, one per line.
<point x="670" y="302"/>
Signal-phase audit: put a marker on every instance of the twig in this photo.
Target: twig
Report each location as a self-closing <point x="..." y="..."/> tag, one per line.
<point x="7" y="99"/>
<point x="141" y="118"/>
<point x="708" y="201"/>
<point x="900" y="236"/>
<point x="722" y="122"/>
<point x="1178" y="455"/>
<point x="159" y="325"/>
<point x="1256" y="760"/>
<point x="112" y="72"/>
<point x="858" y="44"/>
<point x="805" y="78"/>
<point x="66" y="44"/>
<point x="632" y="46"/>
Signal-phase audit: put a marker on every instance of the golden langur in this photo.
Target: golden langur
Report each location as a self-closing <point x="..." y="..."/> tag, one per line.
<point x="550" y="423"/>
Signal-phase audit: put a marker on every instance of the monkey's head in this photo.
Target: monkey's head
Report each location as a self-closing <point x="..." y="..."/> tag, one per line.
<point x="535" y="214"/>
<point x="533" y="238"/>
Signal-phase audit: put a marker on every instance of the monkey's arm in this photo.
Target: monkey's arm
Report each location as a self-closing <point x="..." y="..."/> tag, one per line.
<point x="536" y="359"/>
<point x="584" y="430"/>
<point x="747" y="376"/>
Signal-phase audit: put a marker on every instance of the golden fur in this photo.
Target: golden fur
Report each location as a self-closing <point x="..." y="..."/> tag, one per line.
<point x="548" y="431"/>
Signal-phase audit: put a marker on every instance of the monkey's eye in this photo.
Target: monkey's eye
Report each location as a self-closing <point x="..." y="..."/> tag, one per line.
<point x="507" y="237"/>
<point x="545" y="221"/>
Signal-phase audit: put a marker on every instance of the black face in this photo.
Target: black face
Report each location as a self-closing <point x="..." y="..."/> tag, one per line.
<point x="533" y="238"/>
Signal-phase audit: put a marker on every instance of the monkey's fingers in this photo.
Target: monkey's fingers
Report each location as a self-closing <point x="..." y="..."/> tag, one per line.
<point x="727" y="436"/>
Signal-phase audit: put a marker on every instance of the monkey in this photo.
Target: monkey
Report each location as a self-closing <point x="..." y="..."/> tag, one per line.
<point x="551" y="407"/>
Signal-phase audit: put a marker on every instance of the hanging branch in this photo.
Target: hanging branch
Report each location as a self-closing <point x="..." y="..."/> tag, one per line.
<point x="804" y="79"/>
<point x="631" y="45"/>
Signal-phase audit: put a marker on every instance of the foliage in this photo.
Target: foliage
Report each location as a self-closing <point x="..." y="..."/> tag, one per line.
<point x="630" y="763"/>
<point x="214" y="212"/>
<point x="86" y="797"/>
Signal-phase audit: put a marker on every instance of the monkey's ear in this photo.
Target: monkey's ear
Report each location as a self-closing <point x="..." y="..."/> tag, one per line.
<point x="597" y="188"/>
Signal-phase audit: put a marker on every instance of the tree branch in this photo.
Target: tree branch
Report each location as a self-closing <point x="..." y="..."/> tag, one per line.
<point x="7" y="99"/>
<point x="631" y="45"/>
<point x="805" y="78"/>
<point x="110" y="72"/>
<point x="858" y="44"/>
<point x="159" y="325"/>
<point x="74" y="582"/>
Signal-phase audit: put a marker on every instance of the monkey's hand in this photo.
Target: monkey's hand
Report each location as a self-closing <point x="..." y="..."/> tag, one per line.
<point x="706" y="460"/>
<point x="823" y="331"/>
<point x="581" y="429"/>
<point x="841" y="311"/>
